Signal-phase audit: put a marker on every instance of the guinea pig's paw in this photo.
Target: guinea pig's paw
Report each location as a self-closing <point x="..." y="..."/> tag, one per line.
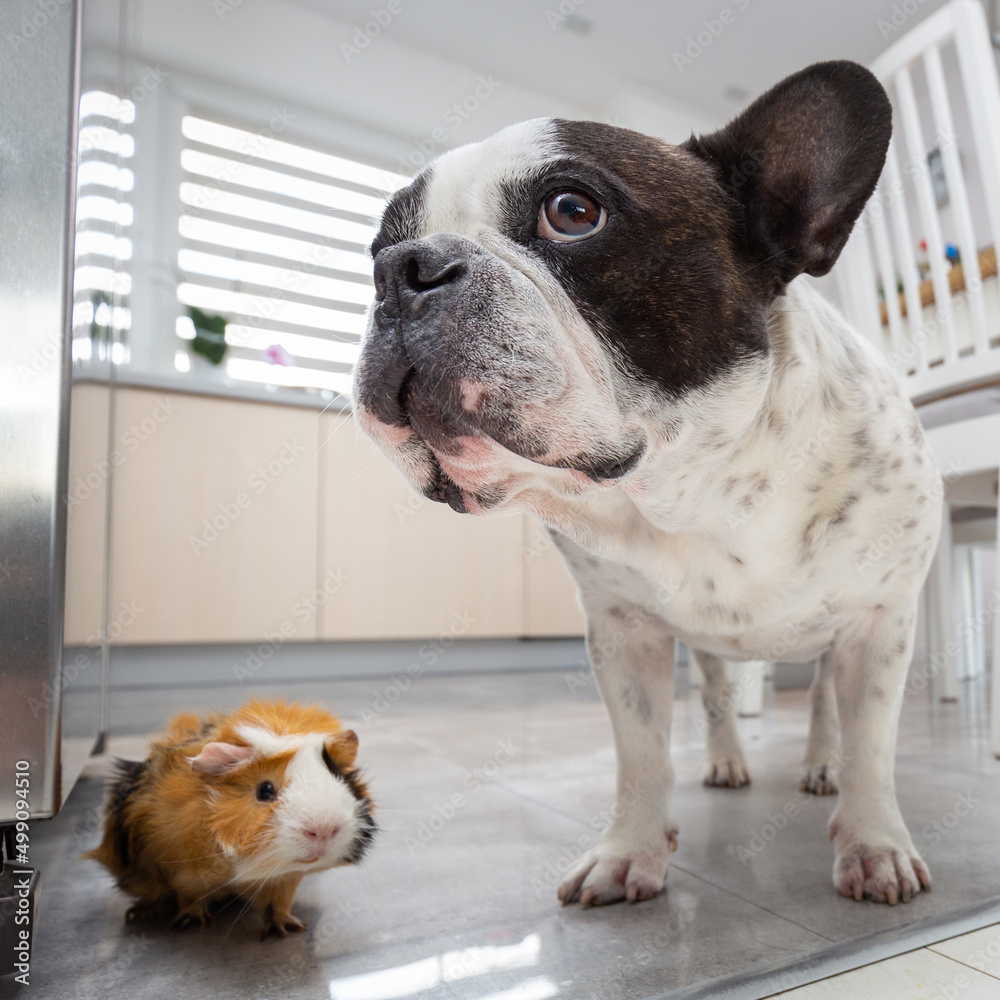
<point x="882" y="868"/>
<point x="819" y="779"/>
<point x="729" y="771"/>
<point x="277" y="924"/>
<point x="193" y="916"/>
<point x="633" y="869"/>
<point x="148" y="909"/>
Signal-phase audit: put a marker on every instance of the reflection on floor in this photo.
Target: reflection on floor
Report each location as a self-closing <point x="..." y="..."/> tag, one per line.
<point x="487" y="786"/>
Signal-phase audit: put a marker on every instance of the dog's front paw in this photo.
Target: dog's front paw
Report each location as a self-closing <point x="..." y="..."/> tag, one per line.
<point x="729" y="771"/>
<point x="819" y="779"/>
<point x="883" y="869"/>
<point x="620" y="868"/>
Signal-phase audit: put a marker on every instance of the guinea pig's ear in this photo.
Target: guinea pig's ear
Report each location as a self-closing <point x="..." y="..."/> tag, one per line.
<point x="217" y="758"/>
<point x="802" y="160"/>
<point x="343" y="747"/>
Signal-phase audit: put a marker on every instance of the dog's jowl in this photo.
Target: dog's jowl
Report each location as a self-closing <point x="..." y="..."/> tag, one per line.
<point x="604" y="330"/>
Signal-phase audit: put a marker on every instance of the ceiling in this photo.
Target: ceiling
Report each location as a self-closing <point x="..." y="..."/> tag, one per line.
<point x="582" y="50"/>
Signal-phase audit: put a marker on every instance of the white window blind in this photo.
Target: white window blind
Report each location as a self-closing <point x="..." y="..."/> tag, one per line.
<point x="102" y="280"/>
<point x="274" y="238"/>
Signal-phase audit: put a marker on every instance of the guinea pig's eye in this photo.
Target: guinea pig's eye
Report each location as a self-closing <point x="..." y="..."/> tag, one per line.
<point x="570" y="215"/>
<point x="266" y="792"/>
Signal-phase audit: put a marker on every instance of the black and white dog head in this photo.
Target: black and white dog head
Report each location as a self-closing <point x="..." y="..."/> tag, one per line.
<point x="556" y="304"/>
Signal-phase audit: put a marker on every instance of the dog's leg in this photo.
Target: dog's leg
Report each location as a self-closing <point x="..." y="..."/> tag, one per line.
<point x="823" y="747"/>
<point x="874" y="853"/>
<point x="633" y="660"/>
<point x="726" y="766"/>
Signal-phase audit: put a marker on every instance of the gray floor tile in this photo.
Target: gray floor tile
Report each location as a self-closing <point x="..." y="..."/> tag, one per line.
<point x="460" y="901"/>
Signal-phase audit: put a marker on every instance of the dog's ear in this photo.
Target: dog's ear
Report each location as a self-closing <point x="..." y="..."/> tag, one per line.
<point x="802" y="160"/>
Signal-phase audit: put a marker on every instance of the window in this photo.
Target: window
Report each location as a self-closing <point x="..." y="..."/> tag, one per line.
<point x="274" y="238"/>
<point x="102" y="279"/>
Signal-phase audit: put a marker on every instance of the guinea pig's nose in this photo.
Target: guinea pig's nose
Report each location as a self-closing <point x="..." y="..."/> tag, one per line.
<point x="321" y="832"/>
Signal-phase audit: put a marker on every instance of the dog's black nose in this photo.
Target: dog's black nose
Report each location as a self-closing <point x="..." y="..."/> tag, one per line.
<point x="407" y="273"/>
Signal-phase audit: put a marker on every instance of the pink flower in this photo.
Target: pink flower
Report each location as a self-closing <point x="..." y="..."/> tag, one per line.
<point x="277" y="355"/>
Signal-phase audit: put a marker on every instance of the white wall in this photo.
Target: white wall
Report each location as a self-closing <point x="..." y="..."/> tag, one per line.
<point x="636" y="108"/>
<point x="246" y="60"/>
<point x="287" y="52"/>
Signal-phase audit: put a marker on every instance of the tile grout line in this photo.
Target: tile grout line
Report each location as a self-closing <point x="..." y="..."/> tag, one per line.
<point x="928" y="949"/>
<point x="958" y="961"/>
<point x="844" y="956"/>
<point x="736" y="895"/>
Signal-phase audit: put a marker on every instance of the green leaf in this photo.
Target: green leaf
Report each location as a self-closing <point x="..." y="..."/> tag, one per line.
<point x="207" y="321"/>
<point x="209" y="334"/>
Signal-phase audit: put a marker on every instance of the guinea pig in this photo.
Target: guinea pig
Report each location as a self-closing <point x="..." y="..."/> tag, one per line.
<point x="244" y="804"/>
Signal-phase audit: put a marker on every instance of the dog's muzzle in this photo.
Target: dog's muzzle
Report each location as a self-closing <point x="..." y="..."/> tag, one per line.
<point x="412" y="279"/>
<point x="462" y="348"/>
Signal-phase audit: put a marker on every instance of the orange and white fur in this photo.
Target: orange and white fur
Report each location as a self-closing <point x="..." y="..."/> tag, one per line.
<point x="245" y="804"/>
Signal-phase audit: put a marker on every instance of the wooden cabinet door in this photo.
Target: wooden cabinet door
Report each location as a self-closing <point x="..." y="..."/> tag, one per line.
<point x="408" y="567"/>
<point x="214" y="520"/>
<point x="550" y="601"/>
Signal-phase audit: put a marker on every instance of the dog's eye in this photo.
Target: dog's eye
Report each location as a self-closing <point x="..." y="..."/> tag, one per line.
<point x="266" y="792"/>
<point x="570" y="215"/>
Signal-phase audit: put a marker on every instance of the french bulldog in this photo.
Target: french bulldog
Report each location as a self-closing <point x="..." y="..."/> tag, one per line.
<point x="604" y="330"/>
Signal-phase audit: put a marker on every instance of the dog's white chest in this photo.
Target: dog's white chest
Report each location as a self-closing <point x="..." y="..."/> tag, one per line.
<point x="760" y="550"/>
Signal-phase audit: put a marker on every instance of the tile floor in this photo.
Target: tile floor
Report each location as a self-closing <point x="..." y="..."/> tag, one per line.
<point x="459" y="902"/>
<point x="965" y="967"/>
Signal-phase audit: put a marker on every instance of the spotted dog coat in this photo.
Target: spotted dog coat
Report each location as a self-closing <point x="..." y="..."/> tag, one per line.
<point x="605" y="331"/>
